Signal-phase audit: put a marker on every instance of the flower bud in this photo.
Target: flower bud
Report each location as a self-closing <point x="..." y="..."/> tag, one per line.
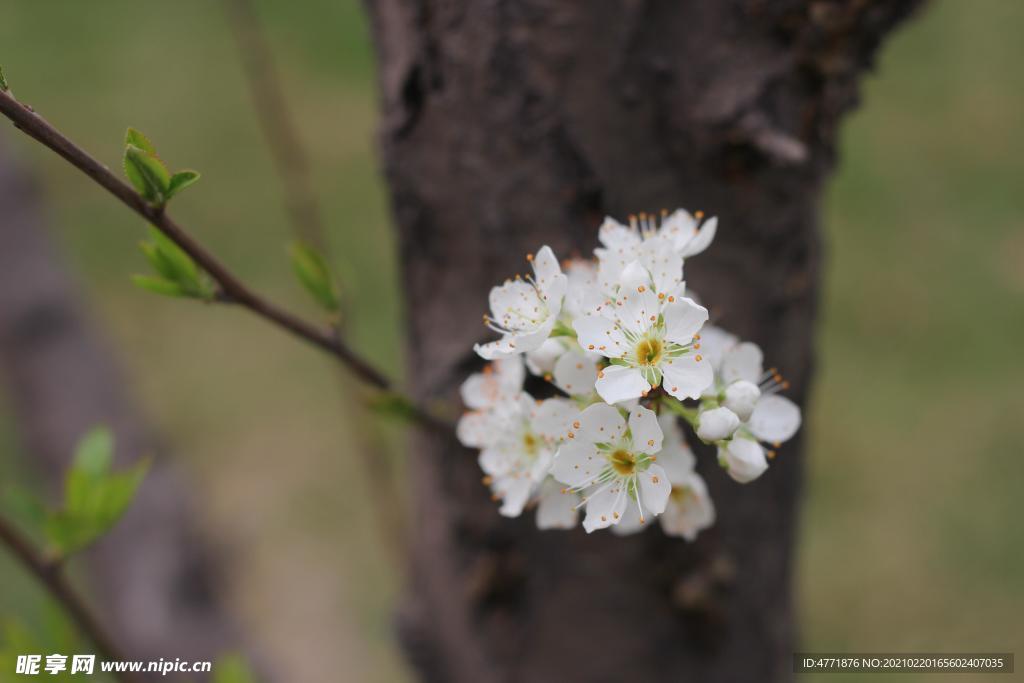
<point x="717" y="424"/>
<point x="741" y="397"/>
<point x="744" y="459"/>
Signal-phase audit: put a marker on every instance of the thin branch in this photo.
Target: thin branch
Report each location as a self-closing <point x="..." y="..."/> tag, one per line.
<point x="276" y="121"/>
<point x="51" y="575"/>
<point x="232" y="289"/>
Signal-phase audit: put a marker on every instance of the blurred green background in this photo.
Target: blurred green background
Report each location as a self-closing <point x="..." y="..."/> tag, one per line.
<point x="911" y="533"/>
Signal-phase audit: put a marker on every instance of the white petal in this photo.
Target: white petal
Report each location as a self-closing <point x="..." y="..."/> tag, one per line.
<point x="744" y="458"/>
<point x="689" y="509"/>
<point x="575" y="374"/>
<point x="494" y="462"/>
<point x="643" y="425"/>
<point x="553" y="418"/>
<point x="714" y="342"/>
<point x="606" y="507"/>
<point x="654" y="488"/>
<point x="521" y="342"/>
<point x="742" y="361"/>
<point x="775" y="418"/>
<point x="542" y="359"/>
<point x="601" y="423"/>
<point x="514" y="492"/>
<point x="502" y="348"/>
<point x="679" y="228"/>
<point x="663" y="263"/>
<point x="556" y="510"/>
<point x="474" y="429"/>
<point x="675" y="457"/>
<point x="576" y="463"/>
<point x="630" y="522"/>
<point x="599" y="334"/>
<point x="503" y="379"/>
<point x="687" y="377"/>
<point x="702" y="240"/>
<point x="617" y="383"/>
<point x="545" y="267"/>
<point x="637" y="305"/>
<point x="717" y="424"/>
<point x="683" y="319"/>
<point x="614" y="234"/>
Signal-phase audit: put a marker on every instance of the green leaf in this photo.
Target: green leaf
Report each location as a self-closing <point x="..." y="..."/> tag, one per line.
<point x="181" y="180"/>
<point x="134" y="137"/>
<point x="3" y="81"/>
<point x="95" y="498"/>
<point x="147" y="174"/>
<point x="232" y="669"/>
<point x="315" y="276"/>
<point x="158" y="285"/>
<point x="179" y="274"/>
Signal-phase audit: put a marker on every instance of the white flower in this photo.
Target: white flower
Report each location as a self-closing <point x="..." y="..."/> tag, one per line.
<point x="650" y="337"/>
<point x="752" y="394"/>
<point x="499" y="380"/>
<point x="689" y="509"/>
<point x="661" y="248"/>
<point x="525" y="311"/>
<point x="717" y="424"/>
<point x="612" y="464"/>
<point x="518" y="438"/>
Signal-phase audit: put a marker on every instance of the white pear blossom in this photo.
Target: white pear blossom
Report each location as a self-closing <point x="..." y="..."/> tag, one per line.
<point x="499" y="380"/>
<point x="752" y="394"/>
<point x="612" y="464"/>
<point x="717" y="424"/>
<point x="650" y="337"/>
<point x="689" y="509"/>
<point x="525" y="311"/>
<point x="518" y="438"/>
<point x="680" y="229"/>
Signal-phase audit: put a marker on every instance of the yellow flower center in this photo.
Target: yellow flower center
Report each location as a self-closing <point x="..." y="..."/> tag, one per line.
<point x="648" y="351"/>
<point x="530" y="443"/>
<point x="624" y="462"/>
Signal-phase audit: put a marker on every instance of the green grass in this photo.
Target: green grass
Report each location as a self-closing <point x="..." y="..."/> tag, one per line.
<point x="910" y="534"/>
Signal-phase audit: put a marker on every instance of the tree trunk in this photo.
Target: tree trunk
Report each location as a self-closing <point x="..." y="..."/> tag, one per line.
<point x="508" y="124"/>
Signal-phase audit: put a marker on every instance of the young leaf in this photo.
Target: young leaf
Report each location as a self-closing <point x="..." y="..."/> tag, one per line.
<point x="134" y="137"/>
<point x="95" y="498"/>
<point x="3" y="81"/>
<point x="158" y="285"/>
<point x="147" y="174"/>
<point x="181" y="180"/>
<point x="314" y="274"/>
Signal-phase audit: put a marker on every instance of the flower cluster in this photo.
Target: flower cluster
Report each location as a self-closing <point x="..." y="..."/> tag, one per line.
<point x="628" y="352"/>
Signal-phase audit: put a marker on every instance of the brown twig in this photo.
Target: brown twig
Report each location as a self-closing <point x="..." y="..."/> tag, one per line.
<point x="52" y="576"/>
<point x="232" y="290"/>
<point x="279" y="130"/>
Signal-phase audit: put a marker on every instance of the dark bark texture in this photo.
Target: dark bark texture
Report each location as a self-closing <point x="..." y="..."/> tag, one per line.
<point x="508" y="124"/>
<point x="155" y="582"/>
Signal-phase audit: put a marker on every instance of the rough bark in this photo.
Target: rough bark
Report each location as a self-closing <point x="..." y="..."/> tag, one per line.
<point x="155" y="581"/>
<point x="508" y="124"/>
